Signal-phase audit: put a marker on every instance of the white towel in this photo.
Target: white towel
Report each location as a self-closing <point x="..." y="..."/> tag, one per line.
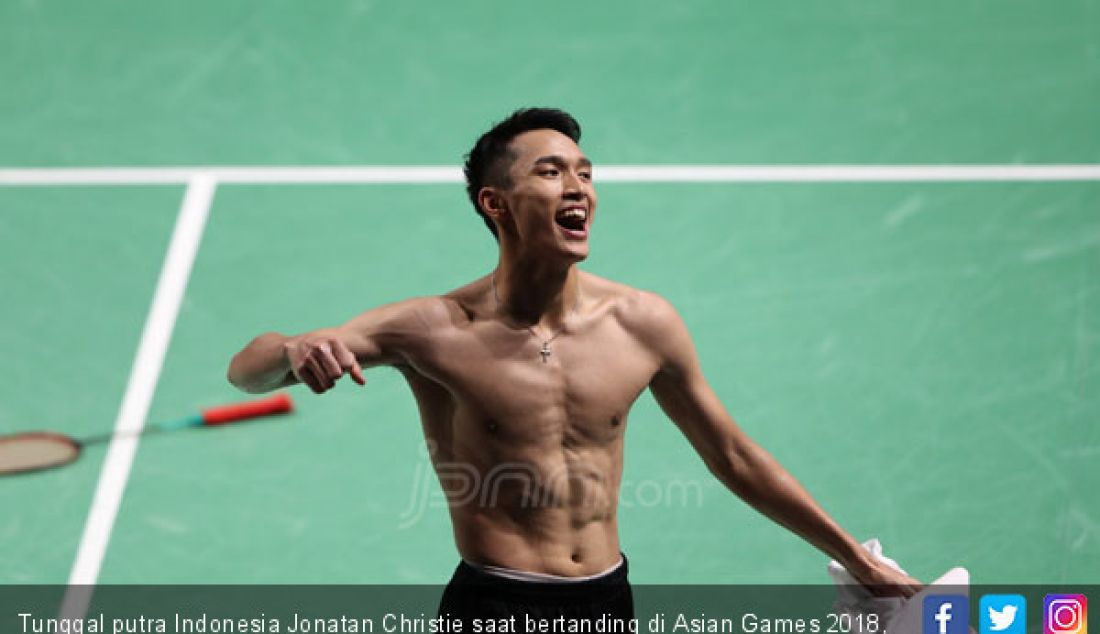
<point x="901" y="616"/>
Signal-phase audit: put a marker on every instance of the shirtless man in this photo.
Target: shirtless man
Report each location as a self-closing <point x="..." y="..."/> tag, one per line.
<point x="534" y="367"/>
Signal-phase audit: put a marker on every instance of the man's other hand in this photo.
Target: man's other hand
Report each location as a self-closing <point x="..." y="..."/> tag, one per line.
<point x="320" y="360"/>
<point x="885" y="581"/>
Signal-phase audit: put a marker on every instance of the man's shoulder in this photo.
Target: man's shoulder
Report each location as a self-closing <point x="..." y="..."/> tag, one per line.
<point x="438" y="311"/>
<point x="651" y="320"/>
<point x="408" y="316"/>
<point x="642" y="312"/>
<point x="464" y="302"/>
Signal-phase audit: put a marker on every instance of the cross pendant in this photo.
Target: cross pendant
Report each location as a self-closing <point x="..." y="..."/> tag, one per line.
<point x="545" y="352"/>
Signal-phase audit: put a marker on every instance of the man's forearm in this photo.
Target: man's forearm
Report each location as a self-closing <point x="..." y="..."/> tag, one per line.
<point x="756" y="477"/>
<point x="262" y="365"/>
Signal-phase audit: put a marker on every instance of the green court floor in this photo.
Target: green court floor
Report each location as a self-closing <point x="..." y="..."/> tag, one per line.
<point x="922" y="356"/>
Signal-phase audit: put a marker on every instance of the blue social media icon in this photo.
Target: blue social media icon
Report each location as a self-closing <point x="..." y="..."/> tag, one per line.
<point x="946" y="614"/>
<point x="1002" y="614"/>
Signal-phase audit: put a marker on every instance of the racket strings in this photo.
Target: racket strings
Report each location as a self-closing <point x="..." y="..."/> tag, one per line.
<point x="33" y="451"/>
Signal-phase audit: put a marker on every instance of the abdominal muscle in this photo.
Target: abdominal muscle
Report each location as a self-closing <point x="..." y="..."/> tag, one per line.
<point x="542" y="510"/>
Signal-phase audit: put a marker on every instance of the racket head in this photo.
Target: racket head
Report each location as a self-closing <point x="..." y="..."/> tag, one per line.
<point x="35" y="451"/>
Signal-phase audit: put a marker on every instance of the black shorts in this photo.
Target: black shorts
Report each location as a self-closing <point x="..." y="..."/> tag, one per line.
<point x="473" y="594"/>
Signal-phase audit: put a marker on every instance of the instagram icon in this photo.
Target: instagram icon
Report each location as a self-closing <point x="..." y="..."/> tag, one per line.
<point x="1065" y="614"/>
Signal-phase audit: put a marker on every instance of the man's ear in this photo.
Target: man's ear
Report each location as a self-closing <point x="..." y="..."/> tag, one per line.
<point x="492" y="203"/>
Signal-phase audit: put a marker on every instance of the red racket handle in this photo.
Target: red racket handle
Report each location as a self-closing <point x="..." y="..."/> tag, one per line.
<point x="277" y="404"/>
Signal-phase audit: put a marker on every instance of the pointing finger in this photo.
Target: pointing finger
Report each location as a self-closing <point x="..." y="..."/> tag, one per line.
<point x="348" y="361"/>
<point x="357" y="374"/>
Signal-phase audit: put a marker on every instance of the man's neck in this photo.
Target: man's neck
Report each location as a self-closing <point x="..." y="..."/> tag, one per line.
<point x="531" y="292"/>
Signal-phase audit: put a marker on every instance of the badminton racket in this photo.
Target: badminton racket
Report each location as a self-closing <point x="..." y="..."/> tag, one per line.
<point x="36" y="450"/>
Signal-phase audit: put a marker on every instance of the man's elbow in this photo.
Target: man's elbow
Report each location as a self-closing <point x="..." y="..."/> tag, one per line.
<point x="732" y="465"/>
<point x="253" y="369"/>
<point x="240" y="376"/>
<point x="236" y="378"/>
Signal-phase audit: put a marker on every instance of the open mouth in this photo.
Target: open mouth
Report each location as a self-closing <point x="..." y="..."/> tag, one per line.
<point x="573" y="218"/>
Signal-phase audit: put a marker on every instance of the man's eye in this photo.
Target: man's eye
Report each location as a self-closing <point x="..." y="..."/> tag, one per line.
<point x="549" y="172"/>
<point x="586" y="176"/>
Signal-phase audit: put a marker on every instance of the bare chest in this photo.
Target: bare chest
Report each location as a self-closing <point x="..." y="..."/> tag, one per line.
<point x="575" y="388"/>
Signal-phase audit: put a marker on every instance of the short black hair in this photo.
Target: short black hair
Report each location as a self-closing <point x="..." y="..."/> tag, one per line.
<point x="488" y="162"/>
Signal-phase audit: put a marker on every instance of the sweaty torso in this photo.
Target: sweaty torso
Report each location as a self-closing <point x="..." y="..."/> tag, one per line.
<point x="530" y="451"/>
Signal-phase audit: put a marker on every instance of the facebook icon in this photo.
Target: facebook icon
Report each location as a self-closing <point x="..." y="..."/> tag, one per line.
<point x="946" y="614"/>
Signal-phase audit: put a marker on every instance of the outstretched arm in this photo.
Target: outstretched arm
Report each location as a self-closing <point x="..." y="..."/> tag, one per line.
<point x="743" y="466"/>
<point x="382" y="336"/>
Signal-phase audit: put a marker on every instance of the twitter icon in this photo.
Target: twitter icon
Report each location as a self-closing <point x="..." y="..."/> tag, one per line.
<point x="1002" y="614"/>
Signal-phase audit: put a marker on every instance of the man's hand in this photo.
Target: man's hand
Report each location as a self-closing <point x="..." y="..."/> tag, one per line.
<point x="885" y="581"/>
<point x="320" y="360"/>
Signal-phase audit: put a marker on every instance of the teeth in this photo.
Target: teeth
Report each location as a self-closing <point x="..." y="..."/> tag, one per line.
<point x="575" y="213"/>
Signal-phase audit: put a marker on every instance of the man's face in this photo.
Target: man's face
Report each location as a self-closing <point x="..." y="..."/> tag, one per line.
<point x="552" y="200"/>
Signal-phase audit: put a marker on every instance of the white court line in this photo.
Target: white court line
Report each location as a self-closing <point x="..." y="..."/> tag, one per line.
<point x="429" y="174"/>
<point x="139" y="394"/>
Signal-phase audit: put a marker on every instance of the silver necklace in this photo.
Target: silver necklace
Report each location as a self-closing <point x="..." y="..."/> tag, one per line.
<point x="545" y="350"/>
